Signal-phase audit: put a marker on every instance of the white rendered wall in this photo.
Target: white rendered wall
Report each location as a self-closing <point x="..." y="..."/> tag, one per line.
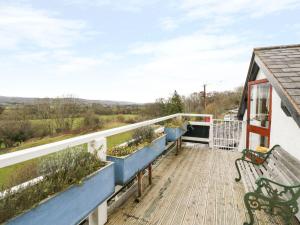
<point x="284" y="130"/>
<point x="242" y="143"/>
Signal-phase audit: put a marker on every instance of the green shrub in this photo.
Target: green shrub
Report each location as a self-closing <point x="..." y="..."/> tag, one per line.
<point x="120" y="118"/>
<point x="14" y="132"/>
<point x="140" y="138"/>
<point x="41" y="130"/>
<point x="124" y="150"/>
<point x="59" y="171"/>
<point x="143" y="134"/>
<point x="176" y="123"/>
<point x="27" y="171"/>
<point x="92" y="121"/>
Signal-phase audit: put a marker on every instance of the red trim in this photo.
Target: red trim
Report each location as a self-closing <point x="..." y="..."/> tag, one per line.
<point x="255" y="129"/>
<point x="270" y="114"/>
<point x="258" y="81"/>
<point x="259" y="130"/>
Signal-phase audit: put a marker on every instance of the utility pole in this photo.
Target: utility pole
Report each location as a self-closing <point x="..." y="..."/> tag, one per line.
<point x="204" y="95"/>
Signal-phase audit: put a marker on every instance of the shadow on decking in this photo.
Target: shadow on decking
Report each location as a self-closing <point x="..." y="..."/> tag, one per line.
<point x="196" y="187"/>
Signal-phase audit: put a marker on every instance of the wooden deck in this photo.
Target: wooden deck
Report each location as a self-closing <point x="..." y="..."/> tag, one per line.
<point x="196" y="187"/>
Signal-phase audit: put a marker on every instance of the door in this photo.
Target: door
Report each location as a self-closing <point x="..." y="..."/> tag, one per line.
<point x="259" y="114"/>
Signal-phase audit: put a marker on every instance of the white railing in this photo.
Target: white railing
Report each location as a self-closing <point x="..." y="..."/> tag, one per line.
<point x="227" y="134"/>
<point x="92" y="139"/>
<point x="202" y="124"/>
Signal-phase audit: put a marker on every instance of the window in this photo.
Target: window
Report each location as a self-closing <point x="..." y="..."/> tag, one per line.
<point x="259" y="105"/>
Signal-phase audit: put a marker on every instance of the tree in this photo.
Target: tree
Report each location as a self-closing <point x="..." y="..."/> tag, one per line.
<point x="65" y="110"/>
<point x="175" y="104"/>
<point x="14" y="132"/>
<point x="92" y="121"/>
<point x="193" y="103"/>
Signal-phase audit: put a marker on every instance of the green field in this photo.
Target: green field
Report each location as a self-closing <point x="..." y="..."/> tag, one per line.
<point x="78" y="121"/>
<point x="6" y="172"/>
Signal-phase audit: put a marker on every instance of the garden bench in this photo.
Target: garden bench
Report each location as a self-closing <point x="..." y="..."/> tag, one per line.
<point x="271" y="181"/>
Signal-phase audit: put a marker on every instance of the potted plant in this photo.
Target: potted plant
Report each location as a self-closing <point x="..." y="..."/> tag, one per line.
<point x="71" y="185"/>
<point x="136" y="154"/>
<point x="175" y="128"/>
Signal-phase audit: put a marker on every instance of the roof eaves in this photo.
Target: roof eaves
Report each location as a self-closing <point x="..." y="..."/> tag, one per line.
<point x="276" y="47"/>
<point x="285" y="97"/>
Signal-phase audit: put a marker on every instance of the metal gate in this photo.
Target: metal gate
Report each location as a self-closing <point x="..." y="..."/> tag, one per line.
<point x="227" y="134"/>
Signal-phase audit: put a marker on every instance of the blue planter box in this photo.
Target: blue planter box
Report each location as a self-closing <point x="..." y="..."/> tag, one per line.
<point x="74" y="204"/>
<point x="174" y="133"/>
<point x="126" y="167"/>
<point x="158" y="146"/>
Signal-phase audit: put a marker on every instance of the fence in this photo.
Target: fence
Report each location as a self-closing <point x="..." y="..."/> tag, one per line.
<point x="227" y="134"/>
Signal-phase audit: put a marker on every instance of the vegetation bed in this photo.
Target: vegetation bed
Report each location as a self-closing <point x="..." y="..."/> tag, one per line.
<point x="140" y="138"/>
<point x="56" y="173"/>
<point x="176" y="123"/>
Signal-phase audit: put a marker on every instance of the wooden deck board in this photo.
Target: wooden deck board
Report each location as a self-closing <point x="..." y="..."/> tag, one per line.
<point x="196" y="187"/>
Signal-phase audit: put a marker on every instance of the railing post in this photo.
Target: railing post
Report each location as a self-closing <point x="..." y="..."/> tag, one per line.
<point x="150" y="173"/>
<point x="140" y="184"/>
<point x="211" y="133"/>
<point x="99" y="215"/>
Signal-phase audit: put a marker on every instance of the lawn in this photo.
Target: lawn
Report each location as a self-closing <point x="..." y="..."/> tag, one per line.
<point x="117" y="139"/>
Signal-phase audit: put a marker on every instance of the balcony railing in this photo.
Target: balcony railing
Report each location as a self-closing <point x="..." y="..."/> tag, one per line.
<point x="97" y="139"/>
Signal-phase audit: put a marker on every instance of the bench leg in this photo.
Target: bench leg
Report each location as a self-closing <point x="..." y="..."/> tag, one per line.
<point x="238" y="170"/>
<point x="248" y="203"/>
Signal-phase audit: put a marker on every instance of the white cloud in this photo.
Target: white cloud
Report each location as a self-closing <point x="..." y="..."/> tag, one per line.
<point x="120" y="5"/>
<point x="23" y="26"/>
<point x="207" y="9"/>
<point x="217" y="14"/>
<point x="80" y="66"/>
<point x="186" y="63"/>
<point x="168" y="24"/>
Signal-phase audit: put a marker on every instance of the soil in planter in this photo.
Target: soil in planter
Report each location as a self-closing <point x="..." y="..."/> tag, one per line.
<point x="176" y="123"/>
<point x="140" y="138"/>
<point x="58" y="172"/>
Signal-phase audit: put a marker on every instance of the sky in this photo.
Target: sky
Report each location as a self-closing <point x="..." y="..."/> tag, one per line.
<point x="135" y="50"/>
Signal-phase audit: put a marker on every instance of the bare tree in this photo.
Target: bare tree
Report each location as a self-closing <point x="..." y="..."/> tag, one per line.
<point x="44" y="107"/>
<point x="192" y="103"/>
<point x="65" y="110"/>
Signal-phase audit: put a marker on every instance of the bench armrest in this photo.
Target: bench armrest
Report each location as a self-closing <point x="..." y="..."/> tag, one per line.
<point x="251" y="156"/>
<point x="276" y="190"/>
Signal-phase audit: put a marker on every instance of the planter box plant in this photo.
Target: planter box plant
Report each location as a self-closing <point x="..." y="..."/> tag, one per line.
<point x="136" y="155"/>
<point x="74" y="190"/>
<point x="175" y="129"/>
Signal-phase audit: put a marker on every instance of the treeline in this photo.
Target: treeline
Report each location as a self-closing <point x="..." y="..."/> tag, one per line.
<point x="163" y="107"/>
<point x="216" y="103"/>
<point x="48" y="117"/>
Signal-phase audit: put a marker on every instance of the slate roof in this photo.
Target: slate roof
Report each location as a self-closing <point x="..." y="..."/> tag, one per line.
<point x="281" y="65"/>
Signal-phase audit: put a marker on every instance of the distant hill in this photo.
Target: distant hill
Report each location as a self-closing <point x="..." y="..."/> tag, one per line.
<point x="4" y="100"/>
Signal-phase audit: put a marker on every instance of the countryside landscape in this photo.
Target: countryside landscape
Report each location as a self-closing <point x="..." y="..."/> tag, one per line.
<point x="150" y="112"/>
<point x="26" y="123"/>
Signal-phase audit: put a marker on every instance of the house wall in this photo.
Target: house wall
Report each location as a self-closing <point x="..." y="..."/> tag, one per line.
<point x="284" y="130"/>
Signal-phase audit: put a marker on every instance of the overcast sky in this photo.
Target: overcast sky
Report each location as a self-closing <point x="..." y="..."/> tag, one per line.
<point x="135" y="50"/>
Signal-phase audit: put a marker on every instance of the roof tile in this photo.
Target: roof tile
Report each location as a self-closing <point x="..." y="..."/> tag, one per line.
<point x="284" y="63"/>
